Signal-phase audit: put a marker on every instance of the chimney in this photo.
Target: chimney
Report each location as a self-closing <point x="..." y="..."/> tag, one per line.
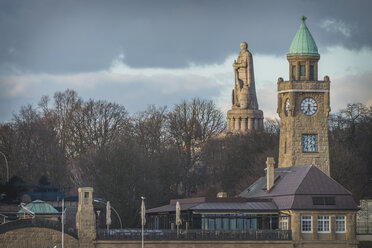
<point x="270" y="173"/>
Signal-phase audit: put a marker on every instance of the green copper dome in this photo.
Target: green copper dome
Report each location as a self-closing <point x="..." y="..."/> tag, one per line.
<point x="303" y="42"/>
<point x="39" y="207"/>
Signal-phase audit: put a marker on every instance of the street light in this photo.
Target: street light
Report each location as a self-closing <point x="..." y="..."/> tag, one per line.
<point x="7" y="168"/>
<point x="99" y="201"/>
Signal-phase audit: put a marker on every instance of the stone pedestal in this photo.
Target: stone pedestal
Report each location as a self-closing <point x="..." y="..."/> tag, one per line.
<point x="244" y="120"/>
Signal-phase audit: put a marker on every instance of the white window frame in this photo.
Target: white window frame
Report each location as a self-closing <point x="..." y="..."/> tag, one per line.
<point x="303" y="219"/>
<point x="283" y="222"/>
<point x="343" y="220"/>
<point x="322" y="219"/>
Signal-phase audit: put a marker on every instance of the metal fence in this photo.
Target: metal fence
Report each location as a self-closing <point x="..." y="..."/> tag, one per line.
<point x="135" y="234"/>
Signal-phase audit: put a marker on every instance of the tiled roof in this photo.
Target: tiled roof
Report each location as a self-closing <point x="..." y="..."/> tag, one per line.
<point x="303" y="42"/>
<point x="39" y="207"/>
<point x="217" y="205"/>
<point x="296" y="186"/>
<point x="244" y="206"/>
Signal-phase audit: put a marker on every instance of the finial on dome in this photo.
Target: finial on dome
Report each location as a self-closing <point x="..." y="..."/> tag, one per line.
<point x="303" y="18"/>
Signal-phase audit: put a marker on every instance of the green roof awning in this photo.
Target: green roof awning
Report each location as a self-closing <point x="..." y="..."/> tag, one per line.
<point x="303" y="43"/>
<point x="39" y="207"/>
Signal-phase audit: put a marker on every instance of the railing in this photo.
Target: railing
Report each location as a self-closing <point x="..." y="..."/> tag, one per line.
<point x="135" y="234"/>
<point x="42" y="223"/>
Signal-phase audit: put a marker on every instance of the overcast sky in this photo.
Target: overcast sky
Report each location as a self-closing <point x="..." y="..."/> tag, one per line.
<point x="137" y="53"/>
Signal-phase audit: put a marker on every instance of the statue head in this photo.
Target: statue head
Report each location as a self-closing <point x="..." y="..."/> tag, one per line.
<point x="243" y="46"/>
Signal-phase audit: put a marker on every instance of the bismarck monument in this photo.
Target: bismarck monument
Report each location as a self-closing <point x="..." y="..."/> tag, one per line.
<point x="244" y="115"/>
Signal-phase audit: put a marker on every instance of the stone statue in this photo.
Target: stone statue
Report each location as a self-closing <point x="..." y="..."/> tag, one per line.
<point x="244" y="116"/>
<point x="244" y="93"/>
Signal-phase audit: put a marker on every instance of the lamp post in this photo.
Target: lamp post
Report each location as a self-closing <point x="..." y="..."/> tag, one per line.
<point x="99" y="201"/>
<point x="143" y="219"/>
<point x="7" y="167"/>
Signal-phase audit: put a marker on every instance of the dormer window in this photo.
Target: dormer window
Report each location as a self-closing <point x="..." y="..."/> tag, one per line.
<point x="324" y="200"/>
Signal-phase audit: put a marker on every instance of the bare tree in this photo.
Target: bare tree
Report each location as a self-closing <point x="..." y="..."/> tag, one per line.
<point x="190" y="125"/>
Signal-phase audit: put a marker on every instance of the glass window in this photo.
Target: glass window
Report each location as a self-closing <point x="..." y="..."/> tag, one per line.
<point x="239" y="224"/>
<point x="283" y="223"/>
<point x="302" y="70"/>
<point x="306" y="223"/>
<point x="311" y="72"/>
<point x="309" y="143"/>
<point x="233" y="224"/>
<point x="210" y="223"/>
<point x="340" y="223"/>
<point x="225" y="224"/>
<point x="323" y="224"/>
<point x="293" y="72"/>
<point x="218" y="223"/>
<point x="324" y="200"/>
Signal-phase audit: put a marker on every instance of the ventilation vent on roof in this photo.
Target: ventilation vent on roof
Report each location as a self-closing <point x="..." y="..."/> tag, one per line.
<point x="324" y="200"/>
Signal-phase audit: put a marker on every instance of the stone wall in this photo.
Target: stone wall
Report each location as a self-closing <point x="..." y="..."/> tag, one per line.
<point x="36" y="237"/>
<point x="195" y="244"/>
<point x="225" y="244"/>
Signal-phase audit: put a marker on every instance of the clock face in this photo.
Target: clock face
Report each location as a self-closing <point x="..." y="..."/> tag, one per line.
<point x="308" y="106"/>
<point x="309" y="143"/>
<point x="286" y="107"/>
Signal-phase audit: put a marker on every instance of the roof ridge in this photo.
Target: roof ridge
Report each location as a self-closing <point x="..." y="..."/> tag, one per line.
<point x="303" y="178"/>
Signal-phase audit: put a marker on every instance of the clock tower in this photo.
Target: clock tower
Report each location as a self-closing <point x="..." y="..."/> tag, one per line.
<point x="303" y="106"/>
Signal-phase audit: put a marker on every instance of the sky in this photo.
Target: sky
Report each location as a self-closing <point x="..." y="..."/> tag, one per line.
<point x="139" y="53"/>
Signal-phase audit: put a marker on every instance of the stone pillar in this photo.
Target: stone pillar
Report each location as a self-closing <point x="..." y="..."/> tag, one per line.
<point x="307" y="70"/>
<point x="232" y="124"/>
<point x="243" y="124"/>
<point x="237" y="124"/>
<point x="296" y="225"/>
<point x="256" y="124"/>
<point x="228" y="124"/>
<point x="86" y="218"/>
<point x="332" y="226"/>
<point x="250" y="124"/>
<point x="297" y="70"/>
<point x="262" y="124"/>
<point x="350" y="226"/>
<point x="315" y="226"/>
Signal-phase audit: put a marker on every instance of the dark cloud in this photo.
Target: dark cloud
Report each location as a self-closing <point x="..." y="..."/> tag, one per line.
<point x="78" y="36"/>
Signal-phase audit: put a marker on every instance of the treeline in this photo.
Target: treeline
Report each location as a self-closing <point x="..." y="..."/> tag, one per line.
<point x="162" y="152"/>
